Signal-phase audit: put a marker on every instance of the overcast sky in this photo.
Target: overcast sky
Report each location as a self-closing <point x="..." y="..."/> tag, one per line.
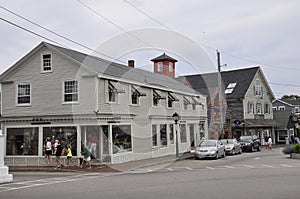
<point x="246" y="32"/>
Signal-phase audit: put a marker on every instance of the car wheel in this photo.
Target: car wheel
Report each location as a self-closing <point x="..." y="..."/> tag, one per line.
<point x="217" y="155"/>
<point x="196" y="158"/>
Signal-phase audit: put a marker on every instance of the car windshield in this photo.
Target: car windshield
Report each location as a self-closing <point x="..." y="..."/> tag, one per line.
<point x="208" y="143"/>
<point x="228" y="141"/>
<point x="245" y="138"/>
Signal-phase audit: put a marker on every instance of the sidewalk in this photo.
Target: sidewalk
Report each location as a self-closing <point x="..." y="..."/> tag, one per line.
<point x="100" y="167"/>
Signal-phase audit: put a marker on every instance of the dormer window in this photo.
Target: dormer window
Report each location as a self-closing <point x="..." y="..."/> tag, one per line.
<point x="186" y="103"/>
<point x="47" y="62"/>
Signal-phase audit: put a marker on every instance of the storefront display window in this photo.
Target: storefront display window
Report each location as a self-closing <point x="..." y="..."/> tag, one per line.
<point x="67" y="135"/>
<point x="22" y="141"/>
<point x="163" y="135"/>
<point x="183" y="133"/>
<point x="121" y="135"/>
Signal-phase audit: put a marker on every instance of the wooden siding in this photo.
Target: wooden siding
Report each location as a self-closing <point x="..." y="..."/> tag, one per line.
<point x="47" y="89"/>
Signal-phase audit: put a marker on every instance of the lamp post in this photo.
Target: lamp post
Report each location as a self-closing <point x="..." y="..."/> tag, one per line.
<point x="176" y="118"/>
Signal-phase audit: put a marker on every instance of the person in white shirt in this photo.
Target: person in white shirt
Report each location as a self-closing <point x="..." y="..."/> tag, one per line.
<point x="269" y="143"/>
<point x="48" y="152"/>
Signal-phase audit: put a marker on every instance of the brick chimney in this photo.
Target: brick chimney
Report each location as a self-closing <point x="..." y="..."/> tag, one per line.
<point x="165" y="65"/>
<point x="131" y="63"/>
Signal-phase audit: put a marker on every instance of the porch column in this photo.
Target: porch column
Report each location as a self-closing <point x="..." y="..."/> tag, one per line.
<point x="4" y="176"/>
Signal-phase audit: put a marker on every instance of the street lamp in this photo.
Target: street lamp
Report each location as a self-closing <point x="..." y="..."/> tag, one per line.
<point x="176" y="118"/>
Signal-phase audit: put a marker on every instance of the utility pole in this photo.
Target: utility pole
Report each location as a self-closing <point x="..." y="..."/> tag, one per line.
<point x="221" y="128"/>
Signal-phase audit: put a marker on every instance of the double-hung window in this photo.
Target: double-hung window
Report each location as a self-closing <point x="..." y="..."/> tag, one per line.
<point x="171" y="99"/>
<point x="259" y="108"/>
<point x="71" y="91"/>
<point x="24" y="94"/>
<point x="135" y="94"/>
<point x="47" y="62"/>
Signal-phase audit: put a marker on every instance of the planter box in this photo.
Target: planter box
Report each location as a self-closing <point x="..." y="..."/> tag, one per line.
<point x="295" y="155"/>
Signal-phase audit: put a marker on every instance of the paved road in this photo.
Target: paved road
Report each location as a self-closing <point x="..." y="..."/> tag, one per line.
<point x="266" y="174"/>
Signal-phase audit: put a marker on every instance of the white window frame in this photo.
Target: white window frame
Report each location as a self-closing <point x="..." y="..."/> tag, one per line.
<point x="76" y="92"/>
<point x="281" y="108"/>
<point x="250" y="108"/>
<point x="43" y="66"/>
<point x="258" y="88"/>
<point x="267" y="108"/>
<point x="19" y="94"/>
<point x="171" y="66"/>
<point x="259" y="108"/>
<point x="159" y="66"/>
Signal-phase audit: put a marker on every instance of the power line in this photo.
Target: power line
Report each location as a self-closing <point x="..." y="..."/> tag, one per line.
<point x="149" y="16"/>
<point x="25" y="29"/>
<point x="206" y="46"/>
<point x="279" y="84"/>
<point x="111" y="22"/>
<point x="57" y="34"/>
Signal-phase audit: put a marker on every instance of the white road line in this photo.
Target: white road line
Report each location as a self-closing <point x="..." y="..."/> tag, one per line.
<point x="170" y="169"/>
<point x="229" y="167"/>
<point x="286" y="165"/>
<point x="210" y="168"/>
<point x="268" y="166"/>
<point x="188" y="168"/>
<point x="248" y="166"/>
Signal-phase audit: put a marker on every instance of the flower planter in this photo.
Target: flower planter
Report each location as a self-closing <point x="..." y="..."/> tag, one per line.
<point x="295" y="155"/>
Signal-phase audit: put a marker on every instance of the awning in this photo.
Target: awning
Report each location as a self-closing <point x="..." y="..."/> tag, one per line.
<point x="136" y="92"/>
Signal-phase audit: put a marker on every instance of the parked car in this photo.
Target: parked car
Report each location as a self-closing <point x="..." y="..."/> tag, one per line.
<point x="232" y="146"/>
<point x="210" y="148"/>
<point x="250" y="143"/>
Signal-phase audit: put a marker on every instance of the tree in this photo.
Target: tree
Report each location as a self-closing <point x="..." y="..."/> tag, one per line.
<point x="295" y="97"/>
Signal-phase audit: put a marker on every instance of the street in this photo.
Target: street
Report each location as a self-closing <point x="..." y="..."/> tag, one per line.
<point x="265" y="174"/>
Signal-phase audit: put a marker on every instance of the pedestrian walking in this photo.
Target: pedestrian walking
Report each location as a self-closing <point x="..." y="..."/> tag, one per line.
<point x="48" y="152"/>
<point x="69" y="156"/>
<point x="58" y="154"/>
<point x="269" y="143"/>
<point x="86" y="156"/>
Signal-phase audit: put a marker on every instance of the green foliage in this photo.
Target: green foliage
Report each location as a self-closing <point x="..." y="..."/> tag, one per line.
<point x="296" y="97"/>
<point x="296" y="148"/>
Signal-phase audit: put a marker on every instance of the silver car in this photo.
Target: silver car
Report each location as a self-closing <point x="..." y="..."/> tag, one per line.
<point x="232" y="146"/>
<point x="211" y="149"/>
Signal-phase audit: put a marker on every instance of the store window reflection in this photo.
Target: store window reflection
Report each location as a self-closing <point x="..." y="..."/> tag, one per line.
<point x="22" y="141"/>
<point x="121" y="135"/>
<point x="67" y="135"/>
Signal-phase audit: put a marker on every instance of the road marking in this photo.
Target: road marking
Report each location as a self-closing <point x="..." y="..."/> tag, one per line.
<point x="248" y="166"/>
<point x="229" y="167"/>
<point x="188" y="168"/>
<point x="170" y="169"/>
<point x="210" y="168"/>
<point x="268" y="166"/>
<point x="286" y="165"/>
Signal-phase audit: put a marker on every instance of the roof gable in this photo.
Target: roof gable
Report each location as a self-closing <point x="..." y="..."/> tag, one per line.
<point x="107" y="69"/>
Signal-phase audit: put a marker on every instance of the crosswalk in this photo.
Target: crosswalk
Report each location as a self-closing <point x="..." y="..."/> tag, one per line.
<point x="174" y="169"/>
<point x="48" y="181"/>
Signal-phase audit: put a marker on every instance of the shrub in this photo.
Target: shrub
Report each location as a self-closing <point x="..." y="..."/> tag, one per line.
<point x="296" y="148"/>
